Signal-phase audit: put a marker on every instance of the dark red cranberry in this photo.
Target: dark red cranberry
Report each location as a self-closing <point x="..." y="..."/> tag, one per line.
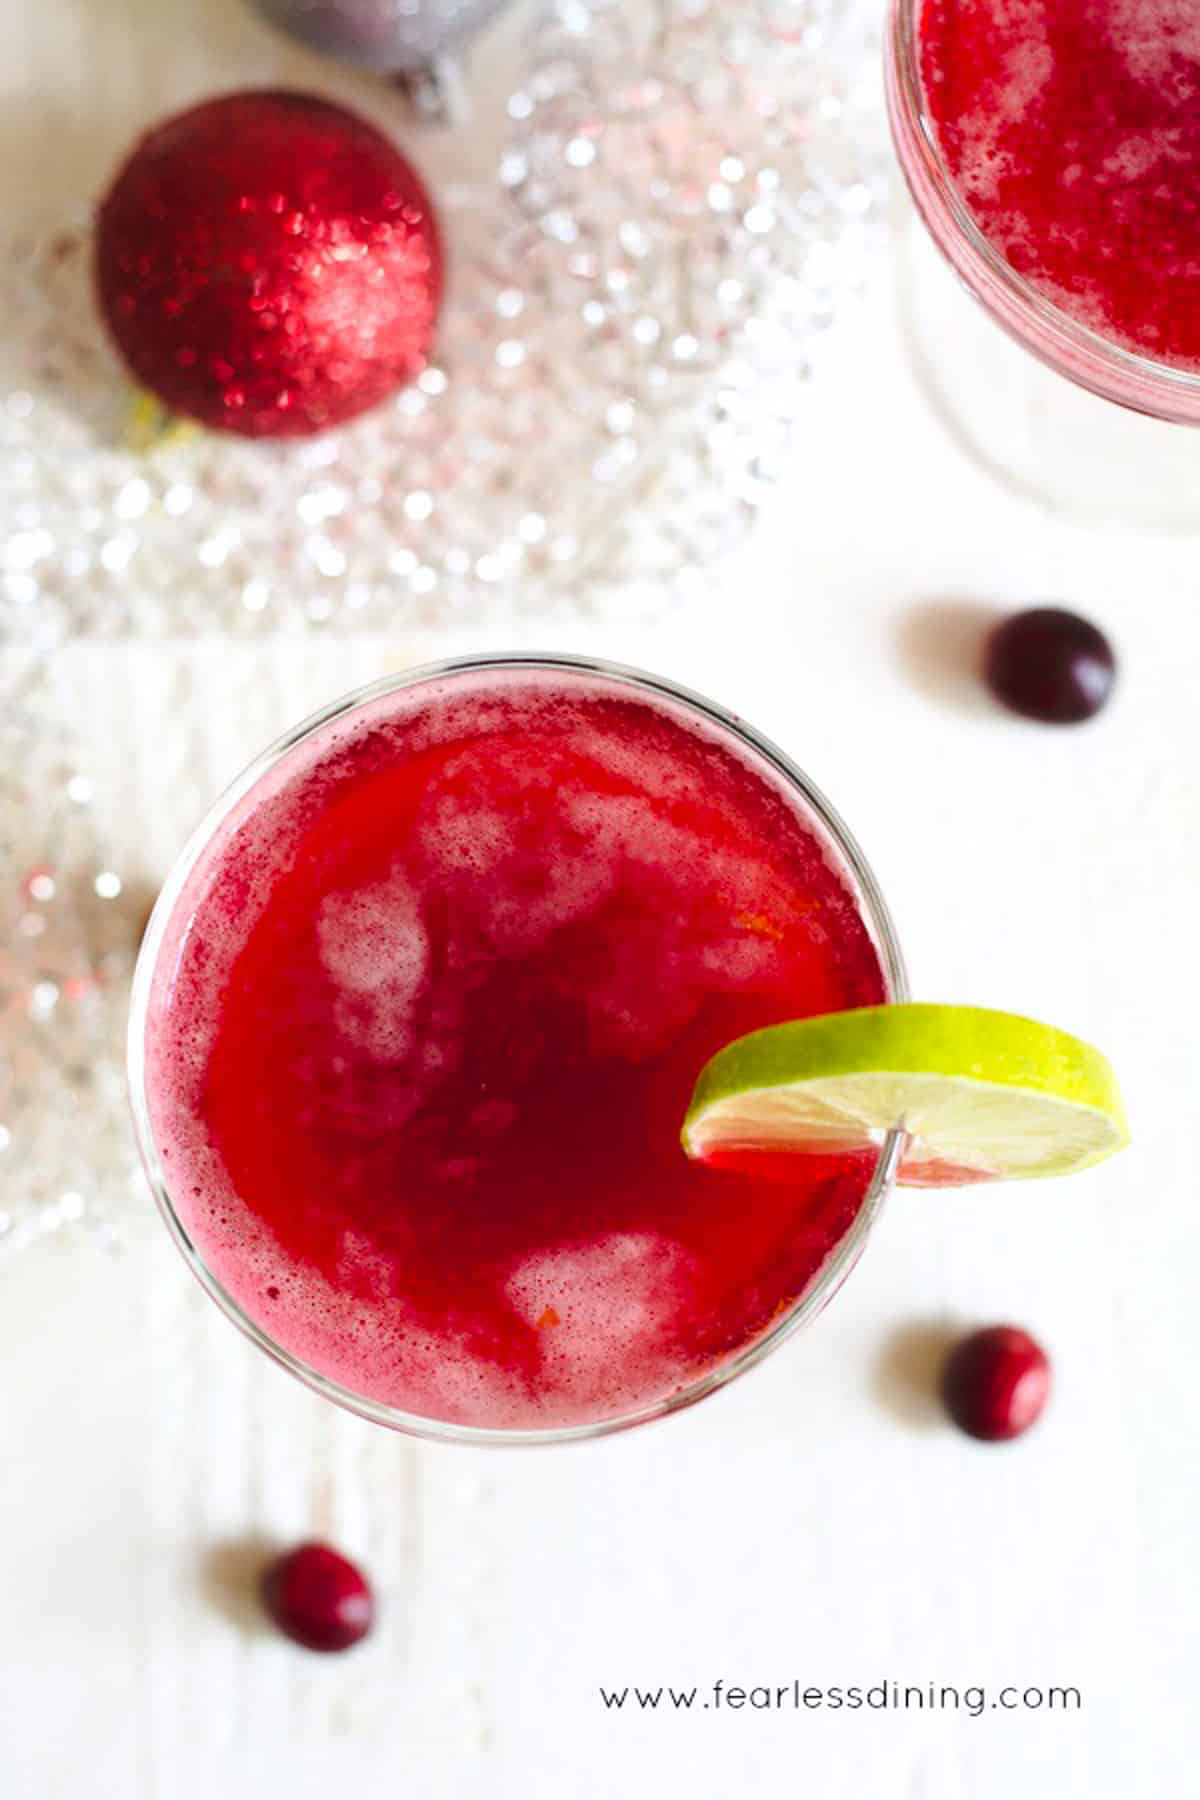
<point x="317" y="1598"/>
<point x="1050" y="665"/>
<point x="995" y="1383"/>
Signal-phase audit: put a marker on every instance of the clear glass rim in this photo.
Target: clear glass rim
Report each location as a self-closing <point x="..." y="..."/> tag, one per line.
<point x="873" y="908"/>
<point x="1086" y="356"/>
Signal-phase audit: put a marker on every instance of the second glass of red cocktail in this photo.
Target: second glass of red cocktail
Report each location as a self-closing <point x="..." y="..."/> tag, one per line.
<point x="1053" y="153"/>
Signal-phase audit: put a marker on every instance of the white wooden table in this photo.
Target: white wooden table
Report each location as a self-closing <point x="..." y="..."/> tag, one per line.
<point x="815" y="1522"/>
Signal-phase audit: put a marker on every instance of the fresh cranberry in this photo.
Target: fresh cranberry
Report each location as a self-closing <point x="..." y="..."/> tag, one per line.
<point x="995" y="1383"/>
<point x="317" y="1598"/>
<point x="1050" y="665"/>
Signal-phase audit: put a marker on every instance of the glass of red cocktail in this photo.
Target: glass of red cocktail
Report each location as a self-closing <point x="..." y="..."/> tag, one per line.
<point x="416" y="1022"/>
<point x="1053" y="153"/>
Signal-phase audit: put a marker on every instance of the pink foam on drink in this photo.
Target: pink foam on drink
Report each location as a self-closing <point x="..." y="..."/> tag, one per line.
<point x="375" y="949"/>
<point x="606" y="1311"/>
<point x="424" y="1024"/>
<point x="1072" y="129"/>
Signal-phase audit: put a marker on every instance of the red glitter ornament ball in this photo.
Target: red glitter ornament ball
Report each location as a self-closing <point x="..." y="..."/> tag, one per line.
<point x="269" y="264"/>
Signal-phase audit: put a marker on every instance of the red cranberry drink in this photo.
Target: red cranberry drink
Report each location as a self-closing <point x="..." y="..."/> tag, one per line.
<point x="1072" y="131"/>
<point x="419" y="1020"/>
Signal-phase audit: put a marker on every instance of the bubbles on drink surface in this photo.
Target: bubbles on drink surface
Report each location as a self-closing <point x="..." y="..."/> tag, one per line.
<point x="1072" y="129"/>
<point x="607" y="1316"/>
<point x="509" y="851"/>
<point x="1156" y="40"/>
<point x="374" y="947"/>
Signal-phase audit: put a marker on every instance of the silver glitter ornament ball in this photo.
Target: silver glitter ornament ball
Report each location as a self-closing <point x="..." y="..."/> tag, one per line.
<point x="395" y="37"/>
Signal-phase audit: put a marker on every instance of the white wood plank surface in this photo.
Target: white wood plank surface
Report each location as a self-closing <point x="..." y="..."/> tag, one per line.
<point x="813" y="1522"/>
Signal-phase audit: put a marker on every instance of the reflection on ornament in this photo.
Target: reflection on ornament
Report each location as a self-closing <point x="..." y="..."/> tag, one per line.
<point x="395" y="37"/>
<point x="68" y="935"/>
<point x="691" y="190"/>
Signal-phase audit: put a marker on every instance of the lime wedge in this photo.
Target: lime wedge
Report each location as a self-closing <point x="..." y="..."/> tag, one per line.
<point x="982" y="1096"/>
